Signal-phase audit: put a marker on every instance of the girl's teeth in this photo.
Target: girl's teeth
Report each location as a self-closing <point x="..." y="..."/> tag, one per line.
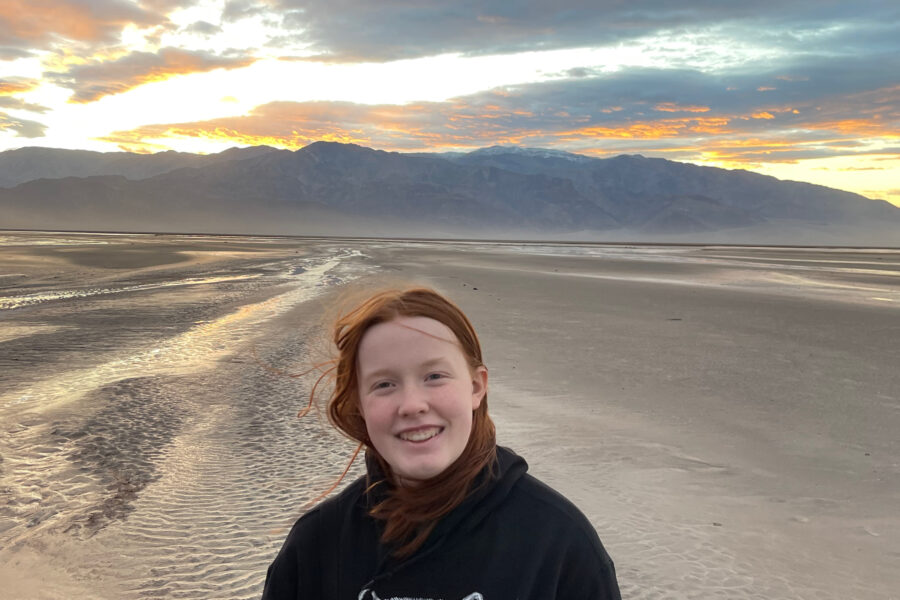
<point x="420" y="435"/>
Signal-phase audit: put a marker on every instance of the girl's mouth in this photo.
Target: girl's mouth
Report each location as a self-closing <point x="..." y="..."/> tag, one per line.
<point x="420" y="435"/>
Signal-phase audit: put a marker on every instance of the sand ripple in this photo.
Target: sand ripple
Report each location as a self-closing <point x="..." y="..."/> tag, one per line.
<point x="173" y="470"/>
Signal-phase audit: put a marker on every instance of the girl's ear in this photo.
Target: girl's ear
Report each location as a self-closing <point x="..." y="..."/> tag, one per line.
<point x="479" y="386"/>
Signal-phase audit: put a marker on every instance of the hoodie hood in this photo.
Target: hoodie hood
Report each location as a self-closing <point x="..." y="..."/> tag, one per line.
<point x="490" y="488"/>
<point x="489" y="491"/>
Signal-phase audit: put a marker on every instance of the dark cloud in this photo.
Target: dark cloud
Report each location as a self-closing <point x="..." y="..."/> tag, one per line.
<point x="360" y="30"/>
<point x="871" y="29"/>
<point x="580" y="72"/>
<point x="19" y="104"/>
<point x="235" y="10"/>
<point x="96" y="79"/>
<point x="203" y="28"/>
<point x="820" y="89"/>
<point x="7" y="53"/>
<point x="21" y="127"/>
<point x="166" y="6"/>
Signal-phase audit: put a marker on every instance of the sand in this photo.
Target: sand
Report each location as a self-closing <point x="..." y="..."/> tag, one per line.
<point x="726" y="417"/>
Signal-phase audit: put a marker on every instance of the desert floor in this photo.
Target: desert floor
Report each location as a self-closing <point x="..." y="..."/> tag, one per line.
<point x="727" y="417"/>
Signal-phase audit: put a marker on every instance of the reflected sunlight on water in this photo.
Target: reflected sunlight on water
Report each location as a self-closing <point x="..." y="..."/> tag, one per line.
<point x="198" y="347"/>
<point x="10" y="302"/>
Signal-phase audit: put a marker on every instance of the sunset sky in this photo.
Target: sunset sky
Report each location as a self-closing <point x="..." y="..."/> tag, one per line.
<point x="805" y="90"/>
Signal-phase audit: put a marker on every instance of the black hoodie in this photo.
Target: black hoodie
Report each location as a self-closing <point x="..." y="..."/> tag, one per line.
<point x="512" y="539"/>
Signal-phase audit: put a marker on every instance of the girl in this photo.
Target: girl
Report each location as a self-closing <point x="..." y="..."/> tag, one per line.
<point x="443" y="512"/>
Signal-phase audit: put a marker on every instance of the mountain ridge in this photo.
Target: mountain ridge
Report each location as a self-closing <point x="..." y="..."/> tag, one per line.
<point x="332" y="188"/>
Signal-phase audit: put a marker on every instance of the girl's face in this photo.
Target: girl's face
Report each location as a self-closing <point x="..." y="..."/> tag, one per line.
<point x="417" y="395"/>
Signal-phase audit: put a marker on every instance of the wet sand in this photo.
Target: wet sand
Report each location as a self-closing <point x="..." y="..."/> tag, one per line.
<point x="726" y="417"/>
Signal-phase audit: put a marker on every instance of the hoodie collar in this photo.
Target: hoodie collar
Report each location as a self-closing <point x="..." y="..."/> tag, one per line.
<point x="489" y="490"/>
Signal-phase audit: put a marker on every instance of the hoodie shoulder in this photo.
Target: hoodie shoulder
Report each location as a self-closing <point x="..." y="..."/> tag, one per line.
<point x="297" y="567"/>
<point x="287" y="575"/>
<point x="555" y="503"/>
<point x="584" y="560"/>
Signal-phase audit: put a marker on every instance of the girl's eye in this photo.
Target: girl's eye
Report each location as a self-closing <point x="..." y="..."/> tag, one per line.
<point x="381" y="385"/>
<point x="433" y="377"/>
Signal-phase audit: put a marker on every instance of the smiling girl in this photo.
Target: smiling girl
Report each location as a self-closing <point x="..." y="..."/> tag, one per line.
<point x="443" y="512"/>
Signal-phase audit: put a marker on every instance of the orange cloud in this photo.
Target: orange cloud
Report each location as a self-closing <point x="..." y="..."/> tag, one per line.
<point x="40" y="23"/>
<point x="869" y="114"/>
<point x="274" y="124"/>
<point x="859" y="127"/>
<point x="21" y="127"/>
<point x="427" y="126"/>
<point x="786" y="148"/>
<point x="96" y="79"/>
<point x="12" y="86"/>
<point x="420" y="126"/>
<point x="764" y="134"/>
<point x="17" y="85"/>
<point x="662" y="128"/>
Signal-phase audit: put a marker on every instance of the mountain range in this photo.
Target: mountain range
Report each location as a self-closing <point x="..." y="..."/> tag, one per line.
<point x="499" y="192"/>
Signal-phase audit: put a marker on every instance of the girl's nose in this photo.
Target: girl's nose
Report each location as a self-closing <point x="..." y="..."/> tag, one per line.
<point x="413" y="402"/>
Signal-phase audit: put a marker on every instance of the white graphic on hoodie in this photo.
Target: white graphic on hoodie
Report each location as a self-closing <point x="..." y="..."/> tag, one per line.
<point x="374" y="596"/>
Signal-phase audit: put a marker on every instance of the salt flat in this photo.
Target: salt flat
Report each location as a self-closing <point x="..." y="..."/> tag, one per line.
<point x="725" y="416"/>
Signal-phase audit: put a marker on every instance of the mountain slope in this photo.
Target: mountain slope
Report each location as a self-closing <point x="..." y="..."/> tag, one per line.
<point x="634" y="189"/>
<point x="329" y="188"/>
<point x="28" y="164"/>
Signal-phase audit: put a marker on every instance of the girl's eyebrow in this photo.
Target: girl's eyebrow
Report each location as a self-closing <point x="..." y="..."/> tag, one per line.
<point x="378" y="373"/>
<point x="388" y="371"/>
<point x="432" y="362"/>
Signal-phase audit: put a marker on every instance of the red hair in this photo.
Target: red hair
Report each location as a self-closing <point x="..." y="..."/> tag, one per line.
<point x="409" y="514"/>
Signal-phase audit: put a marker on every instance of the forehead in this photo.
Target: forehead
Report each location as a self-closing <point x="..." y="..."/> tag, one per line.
<point x="405" y="332"/>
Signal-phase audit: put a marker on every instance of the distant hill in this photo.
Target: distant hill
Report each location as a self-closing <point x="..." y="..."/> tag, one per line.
<point x="28" y="164"/>
<point x="344" y="189"/>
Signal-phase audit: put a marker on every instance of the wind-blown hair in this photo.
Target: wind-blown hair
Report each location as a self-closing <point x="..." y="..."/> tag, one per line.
<point x="409" y="513"/>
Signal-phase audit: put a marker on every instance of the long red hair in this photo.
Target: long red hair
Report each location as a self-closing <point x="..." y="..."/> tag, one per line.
<point x="410" y="514"/>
